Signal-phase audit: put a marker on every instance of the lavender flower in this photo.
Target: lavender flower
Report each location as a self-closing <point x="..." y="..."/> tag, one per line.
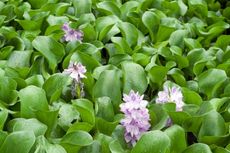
<point x="173" y="94"/>
<point x="136" y="120"/>
<point x="77" y="72"/>
<point x="71" y="34"/>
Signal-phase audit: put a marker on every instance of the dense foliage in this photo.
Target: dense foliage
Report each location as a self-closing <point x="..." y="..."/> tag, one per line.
<point x="139" y="45"/>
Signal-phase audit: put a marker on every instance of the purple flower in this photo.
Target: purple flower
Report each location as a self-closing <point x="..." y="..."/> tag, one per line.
<point x="136" y="120"/>
<point x="173" y="94"/>
<point x="71" y="34"/>
<point x="76" y="71"/>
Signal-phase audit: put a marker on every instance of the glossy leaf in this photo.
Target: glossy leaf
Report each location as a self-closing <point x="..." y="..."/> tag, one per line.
<point x="32" y="98"/>
<point x="153" y="141"/>
<point x="209" y="84"/>
<point x="85" y="108"/>
<point x="137" y="82"/>
<point x="109" y="86"/>
<point x="20" y="142"/>
<point x="198" y="147"/>
<point x="53" y="52"/>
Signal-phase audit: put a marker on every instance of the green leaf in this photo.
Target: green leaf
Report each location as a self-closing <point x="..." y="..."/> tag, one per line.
<point x="3" y="118"/>
<point x="54" y="86"/>
<point x="73" y="141"/>
<point x="172" y="7"/>
<point x="104" y="126"/>
<point x="177" y="137"/>
<point x="98" y="70"/>
<point x="212" y="125"/>
<point x="54" y="52"/>
<point x="18" y="43"/>
<point x="198" y="147"/>
<point x="198" y="7"/>
<point x="141" y="59"/>
<point x="220" y="150"/>
<point x="35" y="4"/>
<point x="104" y="142"/>
<point x="196" y="55"/>
<point x="7" y="87"/>
<point x="79" y="138"/>
<point x="42" y="145"/>
<point x="84" y="126"/>
<point x="183" y="7"/>
<point x="32" y="99"/>
<point x="33" y="21"/>
<point x="19" y="59"/>
<point x="89" y="32"/>
<point x="104" y="108"/>
<point x="109" y="8"/>
<point x="5" y="51"/>
<point x="129" y="32"/>
<point x="151" y="21"/>
<point x="215" y="140"/>
<point x="86" y="18"/>
<point x="178" y="76"/>
<point x="36" y="80"/>
<point x="118" y="58"/>
<point x="8" y="11"/>
<point x="3" y="136"/>
<point x="82" y="7"/>
<point x="209" y="84"/>
<point x="109" y="86"/>
<point x="158" y="117"/>
<point x="85" y="108"/>
<point x="121" y="45"/>
<point x="157" y="74"/>
<point x="30" y="125"/>
<point x="178" y="117"/>
<point x="177" y="38"/>
<point x="95" y="147"/>
<point x="104" y="25"/>
<point x="50" y="121"/>
<point x="167" y="26"/>
<point x="87" y="48"/>
<point x="61" y="8"/>
<point x="191" y="97"/>
<point x="192" y="43"/>
<point x="137" y="82"/>
<point x="115" y="147"/>
<point x="67" y="114"/>
<point x="29" y="24"/>
<point x="154" y="142"/>
<point x="127" y="7"/>
<point x="18" y="142"/>
<point x="2" y="18"/>
<point x="56" y="20"/>
<point x="223" y="41"/>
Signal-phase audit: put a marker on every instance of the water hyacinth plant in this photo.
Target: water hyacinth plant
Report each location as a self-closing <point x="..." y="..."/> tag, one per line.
<point x="114" y="76"/>
<point x="136" y="120"/>
<point x="173" y="94"/>
<point x="71" y="34"/>
<point x="77" y="72"/>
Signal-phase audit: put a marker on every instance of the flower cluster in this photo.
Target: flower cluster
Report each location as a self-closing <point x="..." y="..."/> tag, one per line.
<point x="173" y="94"/>
<point x="71" y="34"/>
<point x="136" y="120"/>
<point x="76" y="71"/>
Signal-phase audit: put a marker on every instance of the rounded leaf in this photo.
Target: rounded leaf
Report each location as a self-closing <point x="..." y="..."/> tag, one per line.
<point x="154" y="142"/>
<point x="134" y="77"/>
